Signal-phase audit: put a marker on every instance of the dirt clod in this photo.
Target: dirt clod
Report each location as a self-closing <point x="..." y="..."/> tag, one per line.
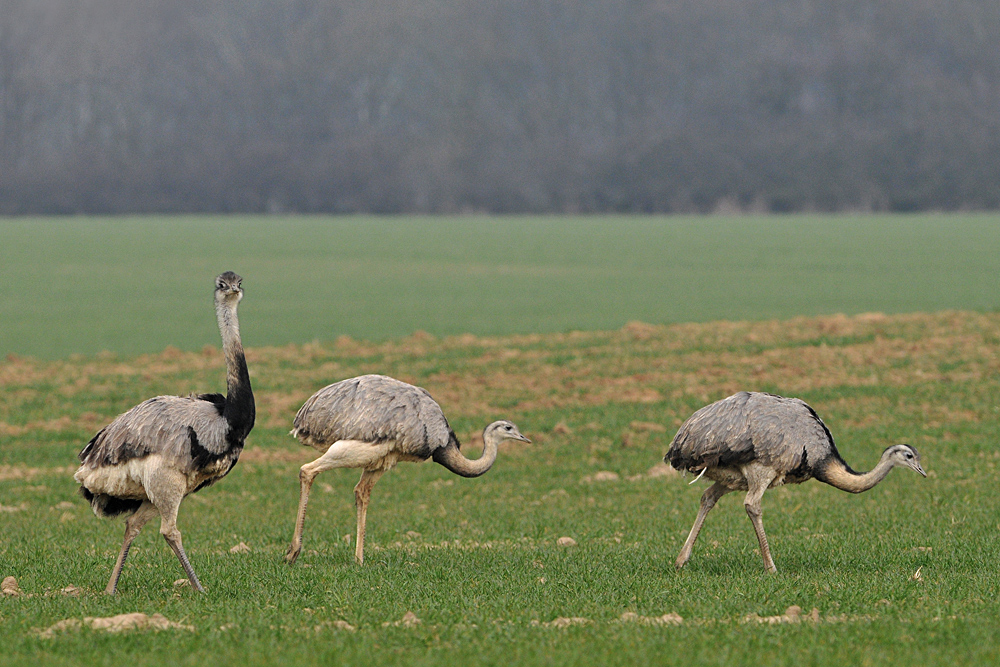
<point x="343" y="625"/>
<point x="241" y="548"/>
<point x="9" y="587"/>
<point x="563" y="622"/>
<point x="120" y="623"/>
<point x="792" y="615"/>
<point x="670" y="618"/>
<point x="409" y="620"/>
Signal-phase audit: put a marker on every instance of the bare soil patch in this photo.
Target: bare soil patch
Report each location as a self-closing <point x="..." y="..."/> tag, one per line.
<point x="114" y="624"/>
<point x="491" y="377"/>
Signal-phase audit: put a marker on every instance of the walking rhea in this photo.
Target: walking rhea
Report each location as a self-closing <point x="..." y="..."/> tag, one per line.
<point x="148" y="459"/>
<point x="372" y="422"/>
<point x="753" y="441"/>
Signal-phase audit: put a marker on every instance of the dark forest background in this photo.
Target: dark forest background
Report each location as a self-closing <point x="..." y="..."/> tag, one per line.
<point x="504" y="106"/>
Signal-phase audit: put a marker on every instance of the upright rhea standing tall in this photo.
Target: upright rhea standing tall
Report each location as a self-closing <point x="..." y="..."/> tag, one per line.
<point x="148" y="459"/>
<point x="372" y="422"/>
<point x="752" y="441"/>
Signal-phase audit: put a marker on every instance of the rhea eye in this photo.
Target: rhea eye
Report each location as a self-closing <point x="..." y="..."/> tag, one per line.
<point x="909" y="456"/>
<point x="507" y="427"/>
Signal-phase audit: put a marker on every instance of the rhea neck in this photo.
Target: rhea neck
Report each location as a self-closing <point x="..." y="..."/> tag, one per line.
<point x="453" y="459"/>
<point x="837" y="473"/>
<point x="240" y="411"/>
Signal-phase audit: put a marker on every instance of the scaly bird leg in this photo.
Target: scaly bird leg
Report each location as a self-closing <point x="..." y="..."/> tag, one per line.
<point x="173" y="538"/>
<point x="758" y="485"/>
<point x="168" y="528"/>
<point x="133" y="525"/>
<point x="708" y="500"/>
<point x="306" y="477"/>
<point x="362" y="494"/>
<point x="341" y="454"/>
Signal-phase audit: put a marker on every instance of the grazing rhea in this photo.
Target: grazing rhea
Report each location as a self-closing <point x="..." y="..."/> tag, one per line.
<point x="149" y="458"/>
<point x="753" y="441"/>
<point x="372" y="422"/>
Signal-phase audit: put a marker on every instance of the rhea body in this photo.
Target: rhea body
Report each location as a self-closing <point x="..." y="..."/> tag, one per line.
<point x="149" y="458"/>
<point x="373" y="422"/>
<point x="753" y="441"/>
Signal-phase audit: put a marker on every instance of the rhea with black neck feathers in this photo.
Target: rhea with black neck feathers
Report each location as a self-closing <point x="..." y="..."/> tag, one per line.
<point x="753" y="441"/>
<point x="149" y="458"/>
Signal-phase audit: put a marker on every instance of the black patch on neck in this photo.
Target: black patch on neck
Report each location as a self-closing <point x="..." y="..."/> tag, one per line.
<point x="802" y="472"/>
<point x="217" y="400"/>
<point x="240" y="410"/>
<point x="834" y="454"/>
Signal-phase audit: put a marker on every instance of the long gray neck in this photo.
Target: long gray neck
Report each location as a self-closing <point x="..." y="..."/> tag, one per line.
<point x="453" y="459"/>
<point x="240" y="411"/>
<point x="839" y="474"/>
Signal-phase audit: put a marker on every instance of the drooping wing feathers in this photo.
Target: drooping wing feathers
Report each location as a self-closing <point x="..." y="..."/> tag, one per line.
<point x="160" y="425"/>
<point x="715" y="435"/>
<point x="374" y="408"/>
<point x="783" y="433"/>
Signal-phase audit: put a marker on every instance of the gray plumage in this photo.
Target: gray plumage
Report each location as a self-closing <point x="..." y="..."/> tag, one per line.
<point x="161" y="425"/>
<point x="753" y="441"/>
<point x="374" y="408"/>
<point x="372" y="422"/>
<point x="778" y="432"/>
<point x="149" y="458"/>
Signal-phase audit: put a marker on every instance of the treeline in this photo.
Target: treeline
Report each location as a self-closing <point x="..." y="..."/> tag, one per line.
<point x="503" y="106"/>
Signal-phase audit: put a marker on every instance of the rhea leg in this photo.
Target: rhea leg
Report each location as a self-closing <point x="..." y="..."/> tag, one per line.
<point x="362" y="494"/>
<point x="166" y="491"/>
<point x="133" y="525"/>
<point x="341" y="454"/>
<point x="173" y="537"/>
<point x="708" y="500"/>
<point x="759" y="481"/>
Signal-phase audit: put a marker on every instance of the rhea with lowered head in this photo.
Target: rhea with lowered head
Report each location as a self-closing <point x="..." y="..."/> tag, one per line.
<point x="753" y="441"/>
<point x="372" y="422"/>
<point x="148" y="459"/>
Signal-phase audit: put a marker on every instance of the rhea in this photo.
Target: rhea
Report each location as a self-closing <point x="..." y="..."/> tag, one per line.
<point x="753" y="441"/>
<point x="372" y="422"/>
<point x="148" y="459"/>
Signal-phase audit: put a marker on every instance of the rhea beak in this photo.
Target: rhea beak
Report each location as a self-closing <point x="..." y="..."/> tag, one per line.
<point x="518" y="436"/>
<point x="916" y="466"/>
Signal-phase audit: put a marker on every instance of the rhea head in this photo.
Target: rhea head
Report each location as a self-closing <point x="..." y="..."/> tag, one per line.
<point x="905" y="455"/>
<point x="504" y="430"/>
<point x="228" y="287"/>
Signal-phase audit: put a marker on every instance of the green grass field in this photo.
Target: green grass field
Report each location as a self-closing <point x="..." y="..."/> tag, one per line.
<point x="135" y="285"/>
<point x="904" y="574"/>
